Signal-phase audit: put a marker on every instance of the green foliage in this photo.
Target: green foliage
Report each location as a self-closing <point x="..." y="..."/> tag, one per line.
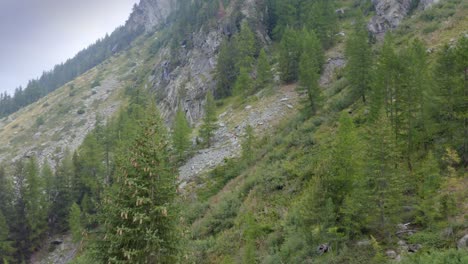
<point x="245" y="44"/>
<point x="139" y="217"/>
<point x="226" y="70"/>
<point x="209" y="121"/>
<point x="40" y="121"/>
<point x="451" y="256"/>
<point x="264" y="75"/>
<point x="248" y="144"/>
<point x="181" y="134"/>
<point x="6" y="248"/>
<point x="429" y="179"/>
<point x="318" y="15"/>
<point x="243" y="83"/>
<point x="289" y="54"/>
<point x="383" y="179"/>
<point x="359" y="55"/>
<point x="74" y="222"/>
<point x="310" y="63"/>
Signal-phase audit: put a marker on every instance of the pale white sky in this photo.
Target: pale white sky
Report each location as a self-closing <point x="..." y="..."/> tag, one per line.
<point x="35" y="35"/>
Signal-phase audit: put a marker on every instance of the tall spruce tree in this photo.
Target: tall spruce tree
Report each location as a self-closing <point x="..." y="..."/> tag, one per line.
<point x="289" y="55"/>
<point x="74" y="222"/>
<point x="61" y="194"/>
<point x="139" y="217"/>
<point x="226" y="69"/>
<point x="209" y="121"/>
<point x="181" y="134"/>
<point x="30" y="209"/>
<point x="264" y="75"/>
<point x="245" y="45"/>
<point x="358" y="53"/>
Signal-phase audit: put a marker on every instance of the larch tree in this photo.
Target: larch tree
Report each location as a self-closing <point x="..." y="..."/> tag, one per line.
<point x="6" y="246"/>
<point x="243" y="83"/>
<point x="289" y="55"/>
<point x="264" y="75"/>
<point x="209" y="121"/>
<point x="359" y="55"/>
<point x="226" y="71"/>
<point x="310" y="63"/>
<point x="245" y="47"/>
<point x="74" y="222"/>
<point x="181" y="134"/>
<point x="383" y="199"/>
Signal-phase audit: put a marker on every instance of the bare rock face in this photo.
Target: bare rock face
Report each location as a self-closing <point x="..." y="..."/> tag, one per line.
<point x="149" y="14"/>
<point x="184" y="78"/>
<point x="425" y="4"/>
<point x="389" y="15"/>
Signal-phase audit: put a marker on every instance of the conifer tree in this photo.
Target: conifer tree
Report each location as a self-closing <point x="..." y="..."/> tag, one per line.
<point x="62" y="194"/>
<point x="209" y="121"/>
<point x="30" y="209"/>
<point x="6" y="193"/>
<point x="264" y="75"/>
<point x="462" y="68"/>
<point x="320" y="15"/>
<point x="358" y="53"/>
<point x="309" y="68"/>
<point x="35" y="203"/>
<point x="139" y="217"/>
<point x="180" y="134"/>
<point x="415" y="124"/>
<point x="6" y="248"/>
<point x="289" y="55"/>
<point x="429" y="184"/>
<point x="74" y="222"/>
<point x="226" y="69"/>
<point x="243" y="83"/>
<point x="386" y="88"/>
<point x="383" y="178"/>
<point x="245" y="47"/>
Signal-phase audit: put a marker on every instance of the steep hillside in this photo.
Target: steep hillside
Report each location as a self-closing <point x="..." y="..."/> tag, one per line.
<point x="336" y="136"/>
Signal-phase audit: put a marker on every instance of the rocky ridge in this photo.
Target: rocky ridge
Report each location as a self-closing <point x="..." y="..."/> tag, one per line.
<point x="390" y="13"/>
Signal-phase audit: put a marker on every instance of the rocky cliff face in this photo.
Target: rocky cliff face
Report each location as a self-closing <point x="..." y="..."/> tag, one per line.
<point x="149" y="14"/>
<point x="188" y="81"/>
<point x="425" y="4"/>
<point x="389" y="13"/>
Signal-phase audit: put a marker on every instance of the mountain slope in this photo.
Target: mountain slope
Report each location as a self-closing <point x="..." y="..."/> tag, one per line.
<point x="306" y="180"/>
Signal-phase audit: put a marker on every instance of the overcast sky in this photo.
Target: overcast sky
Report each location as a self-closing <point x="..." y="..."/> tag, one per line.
<point x="37" y="34"/>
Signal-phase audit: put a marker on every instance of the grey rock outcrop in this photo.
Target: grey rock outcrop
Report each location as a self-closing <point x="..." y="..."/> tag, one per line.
<point x="149" y="14"/>
<point x="389" y="14"/>
<point x="184" y="77"/>
<point x="425" y="4"/>
<point x="463" y="243"/>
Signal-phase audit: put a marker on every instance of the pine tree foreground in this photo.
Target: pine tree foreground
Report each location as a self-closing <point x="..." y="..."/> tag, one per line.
<point x="139" y="216"/>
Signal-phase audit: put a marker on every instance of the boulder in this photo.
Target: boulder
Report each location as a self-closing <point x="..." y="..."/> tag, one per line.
<point x="391" y="254"/>
<point x="413" y="248"/>
<point x="323" y="248"/>
<point x="463" y="243"/>
<point x="389" y="14"/>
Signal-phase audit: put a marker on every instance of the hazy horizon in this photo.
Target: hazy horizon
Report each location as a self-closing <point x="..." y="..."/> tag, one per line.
<point x="37" y="35"/>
